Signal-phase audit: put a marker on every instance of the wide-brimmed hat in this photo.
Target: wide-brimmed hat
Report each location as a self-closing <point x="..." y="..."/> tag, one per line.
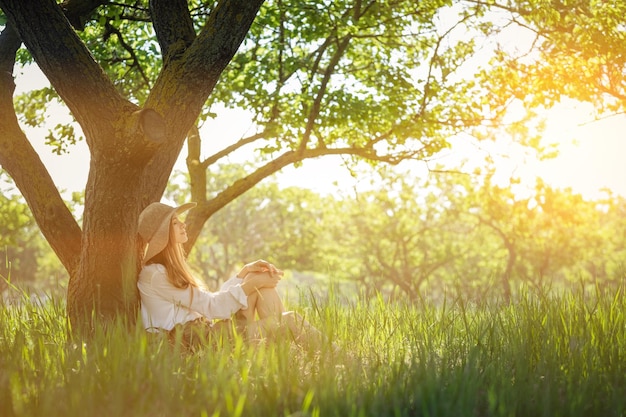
<point x="154" y="225"/>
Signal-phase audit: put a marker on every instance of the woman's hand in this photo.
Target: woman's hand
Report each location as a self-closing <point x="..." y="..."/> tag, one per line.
<point x="259" y="266"/>
<point x="259" y="274"/>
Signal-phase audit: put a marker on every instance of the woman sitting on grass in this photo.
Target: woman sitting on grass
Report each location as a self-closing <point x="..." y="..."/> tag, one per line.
<point x="173" y="300"/>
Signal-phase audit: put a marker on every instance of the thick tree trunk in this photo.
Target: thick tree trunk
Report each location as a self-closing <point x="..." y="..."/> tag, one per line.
<point x="106" y="278"/>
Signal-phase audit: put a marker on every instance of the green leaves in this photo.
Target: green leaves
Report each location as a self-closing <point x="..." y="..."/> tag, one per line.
<point x="126" y="48"/>
<point x="61" y="137"/>
<point x="353" y="74"/>
<point x="34" y="108"/>
<point x="579" y="53"/>
<point x="32" y="105"/>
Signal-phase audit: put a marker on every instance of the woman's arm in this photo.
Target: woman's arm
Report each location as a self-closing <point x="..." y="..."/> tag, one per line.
<point x="213" y="305"/>
<point x="259" y="266"/>
<point x="219" y="305"/>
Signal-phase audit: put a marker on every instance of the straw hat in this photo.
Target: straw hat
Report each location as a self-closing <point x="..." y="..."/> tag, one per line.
<point x="154" y="225"/>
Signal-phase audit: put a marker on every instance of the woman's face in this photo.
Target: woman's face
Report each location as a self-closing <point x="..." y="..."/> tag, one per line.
<point x="179" y="230"/>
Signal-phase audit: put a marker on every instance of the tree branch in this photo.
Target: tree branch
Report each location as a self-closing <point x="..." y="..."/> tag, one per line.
<point x="20" y="160"/>
<point x="317" y="103"/>
<point x="197" y="217"/>
<point x="65" y="60"/>
<point x="9" y="44"/>
<point x="232" y="148"/>
<point x="78" y="12"/>
<point x="200" y="66"/>
<point x="173" y="26"/>
<point x="109" y="30"/>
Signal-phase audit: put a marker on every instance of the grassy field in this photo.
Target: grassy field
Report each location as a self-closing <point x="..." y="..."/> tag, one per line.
<point x="542" y="355"/>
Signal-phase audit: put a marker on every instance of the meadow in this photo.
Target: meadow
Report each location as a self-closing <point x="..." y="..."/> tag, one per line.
<point x="540" y="355"/>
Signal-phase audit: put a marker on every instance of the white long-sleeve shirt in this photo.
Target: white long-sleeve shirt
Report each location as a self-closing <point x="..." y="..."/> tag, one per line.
<point x="163" y="306"/>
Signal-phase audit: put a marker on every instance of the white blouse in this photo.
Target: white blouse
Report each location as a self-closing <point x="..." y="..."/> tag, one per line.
<point x="163" y="306"/>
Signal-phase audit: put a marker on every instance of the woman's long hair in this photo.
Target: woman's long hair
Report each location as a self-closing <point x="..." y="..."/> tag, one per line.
<point x="173" y="259"/>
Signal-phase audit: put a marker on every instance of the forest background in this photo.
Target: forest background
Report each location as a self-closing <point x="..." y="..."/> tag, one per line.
<point x="417" y="225"/>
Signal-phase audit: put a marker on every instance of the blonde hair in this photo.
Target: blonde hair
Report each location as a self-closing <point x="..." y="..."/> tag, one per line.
<point x="173" y="258"/>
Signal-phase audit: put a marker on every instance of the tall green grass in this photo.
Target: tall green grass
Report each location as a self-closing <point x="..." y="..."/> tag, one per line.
<point x="542" y="355"/>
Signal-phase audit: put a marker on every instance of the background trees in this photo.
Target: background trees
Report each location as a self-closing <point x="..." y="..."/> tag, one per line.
<point x="413" y="237"/>
<point x="25" y="258"/>
<point x="407" y="237"/>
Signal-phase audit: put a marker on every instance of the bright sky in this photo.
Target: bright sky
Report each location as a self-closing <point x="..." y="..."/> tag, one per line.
<point x="591" y="153"/>
<point x="595" y="161"/>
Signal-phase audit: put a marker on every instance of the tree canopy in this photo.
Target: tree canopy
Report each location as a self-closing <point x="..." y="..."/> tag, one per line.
<point x="579" y="51"/>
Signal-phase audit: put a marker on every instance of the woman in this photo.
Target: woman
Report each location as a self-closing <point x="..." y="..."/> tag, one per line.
<point x="173" y="300"/>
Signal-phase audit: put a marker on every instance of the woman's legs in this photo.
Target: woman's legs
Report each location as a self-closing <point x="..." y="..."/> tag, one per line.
<point x="273" y="321"/>
<point x="263" y="303"/>
<point x="266" y="306"/>
<point x="268" y="303"/>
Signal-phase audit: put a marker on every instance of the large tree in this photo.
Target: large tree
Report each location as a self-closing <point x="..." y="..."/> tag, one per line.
<point x="133" y="147"/>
